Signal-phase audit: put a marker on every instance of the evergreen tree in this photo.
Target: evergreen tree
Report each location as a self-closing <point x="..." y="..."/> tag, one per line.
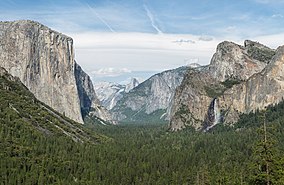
<point x="265" y="157"/>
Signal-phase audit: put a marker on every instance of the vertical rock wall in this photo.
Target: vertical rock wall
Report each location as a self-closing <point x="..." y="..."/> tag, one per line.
<point x="43" y="59"/>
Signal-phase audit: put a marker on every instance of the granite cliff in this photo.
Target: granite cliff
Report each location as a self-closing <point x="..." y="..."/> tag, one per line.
<point x="149" y="101"/>
<point x="259" y="91"/>
<point x="43" y="60"/>
<point x="238" y="80"/>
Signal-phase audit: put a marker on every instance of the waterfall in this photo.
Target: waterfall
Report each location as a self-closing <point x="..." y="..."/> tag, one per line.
<point x="216" y="112"/>
<point x="213" y="115"/>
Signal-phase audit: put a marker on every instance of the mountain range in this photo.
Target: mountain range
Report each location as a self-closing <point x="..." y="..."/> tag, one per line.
<point x="239" y="79"/>
<point x="149" y="101"/>
<point x="57" y="127"/>
<point x="109" y="93"/>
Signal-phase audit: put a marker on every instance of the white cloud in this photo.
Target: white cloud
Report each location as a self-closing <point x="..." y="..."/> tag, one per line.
<point x="147" y="41"/>
<point x="109" y="53"/>
<point x="110" y="72"/>
<point x="277" y="16"/>
<point x="273" y="40"/>
<point x="140" y="51"/>
<point x="205" y="38"/>
<point x="184" y="41"/>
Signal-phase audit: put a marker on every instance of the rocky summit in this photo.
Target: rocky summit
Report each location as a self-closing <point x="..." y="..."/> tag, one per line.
<point x="239" y="79"/>
<point x="43" y="60"/>
<point x="110" y="93"/>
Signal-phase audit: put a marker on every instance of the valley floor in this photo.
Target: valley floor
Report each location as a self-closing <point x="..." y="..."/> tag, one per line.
<point x="147" y="154"/>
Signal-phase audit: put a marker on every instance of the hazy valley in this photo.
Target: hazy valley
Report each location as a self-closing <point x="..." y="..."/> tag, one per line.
<point x="214" y="123"/>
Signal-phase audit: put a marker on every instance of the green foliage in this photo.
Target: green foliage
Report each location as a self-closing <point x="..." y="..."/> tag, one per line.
<point x="34" y="151"/>
<point x="36" y="141"/>
<point x="267" y="165"/>
<point x="158" y="157"/>
<point x="215" y="90"/>
<point x="141" y="117"/>
<point x="274" y="114"/>
<point x="263" y="55"/>
<point x="230" y="82"/>
<point x="183" y="113"/>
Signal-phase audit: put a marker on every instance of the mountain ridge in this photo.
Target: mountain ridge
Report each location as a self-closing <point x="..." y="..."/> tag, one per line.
<point x="230" y="67"/>
<point x="150" y="99"/>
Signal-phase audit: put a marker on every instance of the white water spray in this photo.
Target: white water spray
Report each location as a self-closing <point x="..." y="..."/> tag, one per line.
<point x="215" y="119"/>
<point x="216" y="113"/>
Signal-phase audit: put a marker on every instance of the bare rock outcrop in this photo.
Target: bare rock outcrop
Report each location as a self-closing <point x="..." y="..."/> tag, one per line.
<point x="234" y="82"/>
<point x="43" y="60"/>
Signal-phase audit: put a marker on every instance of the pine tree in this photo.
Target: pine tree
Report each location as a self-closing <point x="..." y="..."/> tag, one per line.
<point x="202" y="177"/>
<point x="265" y="158"/>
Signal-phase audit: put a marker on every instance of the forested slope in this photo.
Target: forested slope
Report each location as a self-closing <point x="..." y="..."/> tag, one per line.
<point x="35" y="151"/>
<point x="37" y="144"/>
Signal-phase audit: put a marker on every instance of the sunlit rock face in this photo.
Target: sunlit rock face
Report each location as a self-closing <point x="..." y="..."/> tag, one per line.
<point x="238" y="80"/>
<point x="150" y="98"/>
<point x="43" y="60"/>
<point x="239" y="62"/>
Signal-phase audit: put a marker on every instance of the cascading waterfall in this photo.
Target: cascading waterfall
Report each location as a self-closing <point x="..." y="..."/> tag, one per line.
<point x="213" y="115"/>
<point x="216" y="112"/>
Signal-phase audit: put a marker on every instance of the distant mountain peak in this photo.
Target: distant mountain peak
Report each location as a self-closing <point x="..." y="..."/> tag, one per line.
<point x="193" y="65"/>
<point x="131" y="85"/>
<point x="109" y="93"/>
<point x="150" y="100"/>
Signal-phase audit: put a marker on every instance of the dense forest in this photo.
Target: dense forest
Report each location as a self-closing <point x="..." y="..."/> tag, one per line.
<point x="33" y="151"/>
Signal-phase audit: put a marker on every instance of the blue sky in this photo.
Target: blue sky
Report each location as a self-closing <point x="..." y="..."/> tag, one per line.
<point x="114" y="37"/>
<point x="177" y="17"/>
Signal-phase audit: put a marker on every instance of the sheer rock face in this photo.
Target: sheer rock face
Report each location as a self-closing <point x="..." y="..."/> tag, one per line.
<point x="131" y="85"/>
<point x="190" y="102"/>
<point x="239" y="62"/>
<point x="153" y="94"/>
<point x="89" y="101"/>
<point x="231" y="78"/>
<point x="262" y="89"/>
<point x="43" y="60"/>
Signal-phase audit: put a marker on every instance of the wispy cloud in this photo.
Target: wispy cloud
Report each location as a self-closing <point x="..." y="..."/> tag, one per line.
<point x="152" y="19"/>
<point x="184" y="41"/>
<point x="277" y="16"/>
<point x="231" y="28"/>
<point x="205" y="38"/>
<point x="100" y="18"/>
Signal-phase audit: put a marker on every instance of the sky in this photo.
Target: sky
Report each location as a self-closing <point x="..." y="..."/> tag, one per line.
<point x="118" y="39"/>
